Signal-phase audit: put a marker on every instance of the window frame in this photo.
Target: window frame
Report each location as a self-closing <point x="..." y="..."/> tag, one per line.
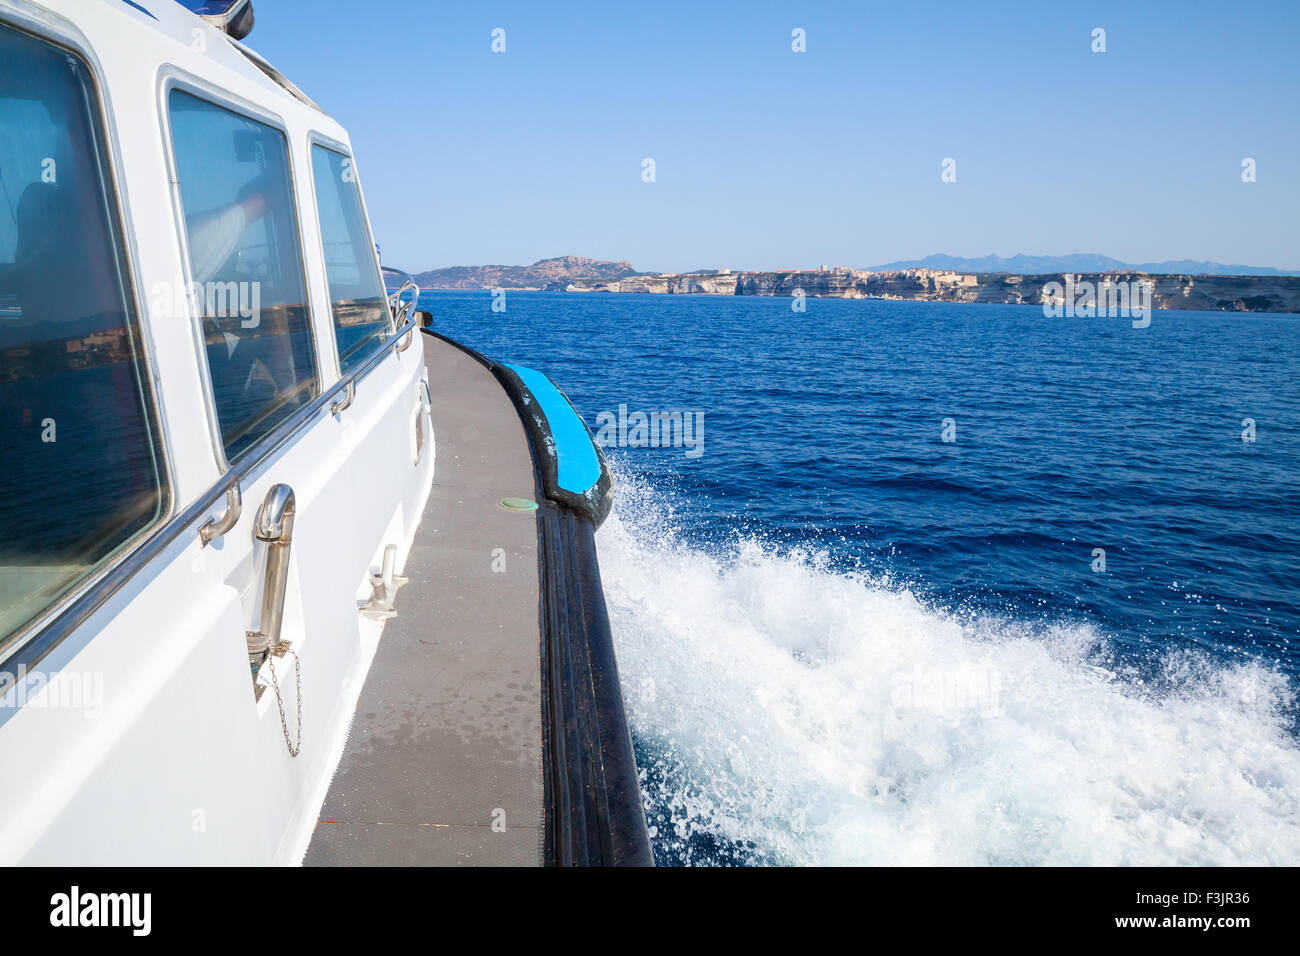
<point x="175" y="78"/>
<point x="316" y="138"/>
<point x="32" y="641"/>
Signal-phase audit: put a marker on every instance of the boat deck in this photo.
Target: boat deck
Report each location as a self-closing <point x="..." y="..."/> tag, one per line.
<point x="444" y="764"/>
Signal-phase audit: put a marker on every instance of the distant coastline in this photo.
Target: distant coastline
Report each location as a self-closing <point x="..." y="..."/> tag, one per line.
<point x="1201" y="292"/>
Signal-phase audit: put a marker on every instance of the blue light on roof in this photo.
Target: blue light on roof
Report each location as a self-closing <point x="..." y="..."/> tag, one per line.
<point x="209" y="8"/>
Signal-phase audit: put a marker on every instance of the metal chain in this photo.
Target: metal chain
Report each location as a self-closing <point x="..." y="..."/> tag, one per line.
<point x="284" y="724"/>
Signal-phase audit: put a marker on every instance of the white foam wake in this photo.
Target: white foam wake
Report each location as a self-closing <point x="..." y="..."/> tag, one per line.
<point x="795" y="715"/>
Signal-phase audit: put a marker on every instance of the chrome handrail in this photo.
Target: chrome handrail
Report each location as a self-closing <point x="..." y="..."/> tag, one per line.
<point x="216" y="527"/>
<point x="402" y="309"/>
<point x="399" y="308"/>
<point x="263" y="64"/>
<point x="349" y="396"/>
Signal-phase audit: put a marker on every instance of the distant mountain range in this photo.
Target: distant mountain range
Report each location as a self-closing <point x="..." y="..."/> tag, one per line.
<point x="1077" y="262"/>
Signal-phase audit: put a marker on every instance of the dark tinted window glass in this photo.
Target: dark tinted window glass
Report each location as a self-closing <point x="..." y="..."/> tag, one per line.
<point x="357" y="296"/>
<point x="80" y="464"/>
<point x="246" y="267"/>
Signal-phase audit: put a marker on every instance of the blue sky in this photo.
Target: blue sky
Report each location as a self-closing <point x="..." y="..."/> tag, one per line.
<point x="766" y="158"/>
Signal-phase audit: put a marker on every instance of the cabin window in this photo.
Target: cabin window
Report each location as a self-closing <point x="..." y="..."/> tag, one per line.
<point x="358" y="300"/>
<point x="246" y="267"/>
<point x="80" y="452"/>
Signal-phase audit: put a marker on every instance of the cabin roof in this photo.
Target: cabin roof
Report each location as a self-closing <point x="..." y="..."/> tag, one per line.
<point x="171" y="24"/>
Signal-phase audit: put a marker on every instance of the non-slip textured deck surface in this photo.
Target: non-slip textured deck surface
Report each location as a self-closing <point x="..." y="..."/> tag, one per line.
<point x="447" y="739"/>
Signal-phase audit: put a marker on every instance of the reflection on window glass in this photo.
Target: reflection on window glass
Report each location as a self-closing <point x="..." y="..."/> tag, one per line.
<point x="246" y="267"/>
<point x="79" y="451"/>
<point x="357" y="296"/>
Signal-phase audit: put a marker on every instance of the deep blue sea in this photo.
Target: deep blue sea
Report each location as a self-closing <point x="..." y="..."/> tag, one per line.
<point x="845" y="639"/>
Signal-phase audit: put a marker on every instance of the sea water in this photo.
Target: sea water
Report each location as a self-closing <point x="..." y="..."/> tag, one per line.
<point x="947" y="583"/>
